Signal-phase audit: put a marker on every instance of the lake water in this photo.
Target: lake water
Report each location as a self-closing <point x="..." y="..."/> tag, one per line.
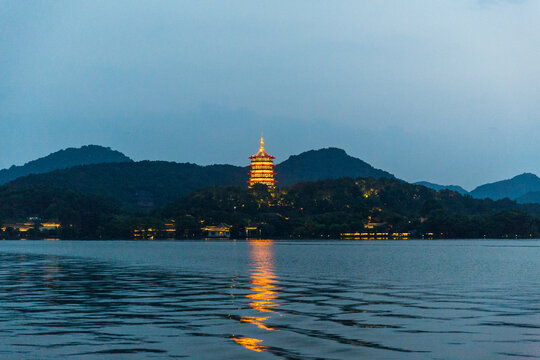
<point x="270" y="300"/>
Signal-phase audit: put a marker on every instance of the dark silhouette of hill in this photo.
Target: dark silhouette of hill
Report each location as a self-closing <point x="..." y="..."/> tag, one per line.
<point x="320" y="209"/>
<point x="63" y="159"/>
<point x="438" y="187"/>
<point x="17" y="203"/>
<point x="147" y="185"/>
<point x="532" y="197"/>
<point x="142" y="185"/>
<point x="329" y="163"/>
<point x="328" y="208"/>
<point x="513" y="188"/>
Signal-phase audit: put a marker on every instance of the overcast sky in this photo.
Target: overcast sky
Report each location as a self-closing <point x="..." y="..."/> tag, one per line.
<point x="443" y="91"/>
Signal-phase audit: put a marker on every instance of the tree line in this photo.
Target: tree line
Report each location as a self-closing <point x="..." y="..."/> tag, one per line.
<point x="317" y="209"/>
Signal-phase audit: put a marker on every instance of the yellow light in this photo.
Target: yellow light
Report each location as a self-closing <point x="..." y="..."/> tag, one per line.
<point x="264" y="292"/>
<point x="258" y="321"/>
<point x="262" y="168"/>
<point x="251" y="344"/>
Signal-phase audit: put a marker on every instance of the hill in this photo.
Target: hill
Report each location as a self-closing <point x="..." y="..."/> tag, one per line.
<point x="90" y="154"/>
<point x="324" y="208"/>
<point x="138" y="186"/>
<point x="147" y="185"/>
<point x="532" y="197"/>
<point x="331" y="207"/>
<point x="81" y="215"/>
<point x="329" y="163"/>
<point x="513" y="188"/>
<point x="438" y="187"/>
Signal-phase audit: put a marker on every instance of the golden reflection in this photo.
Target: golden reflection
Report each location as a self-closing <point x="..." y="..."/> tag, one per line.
<point x="251" y="344"/>
<point x="263" y="280"/>
<point x="264" y="290"/>
<point x="259" y="321"/>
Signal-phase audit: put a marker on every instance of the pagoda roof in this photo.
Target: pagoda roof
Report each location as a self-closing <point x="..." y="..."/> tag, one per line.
<point x="262" y="153"/>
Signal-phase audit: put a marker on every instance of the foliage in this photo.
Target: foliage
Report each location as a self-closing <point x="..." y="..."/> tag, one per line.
<point x="331" y="207"/>
<point x="325" y="208"/>
<point x="330" y="163"/>
<point x="148" y="185"/>
<point x="139" y="186"/>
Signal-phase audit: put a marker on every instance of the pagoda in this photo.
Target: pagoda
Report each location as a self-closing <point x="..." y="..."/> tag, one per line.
<point x="262" y="168"/>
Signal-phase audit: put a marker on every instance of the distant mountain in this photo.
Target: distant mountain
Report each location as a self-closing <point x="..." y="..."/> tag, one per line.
<point x="513" y="188"/>
<point x="142" y="185"/>
<point x="329" y="163"/>
<point x="438" y="187"/>
<point x="63" y="159"/>
<point x="147" y="185"/>
<point x="529" y="198"/>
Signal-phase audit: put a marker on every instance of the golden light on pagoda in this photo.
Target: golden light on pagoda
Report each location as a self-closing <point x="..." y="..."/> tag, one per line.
<point x="262" y="168"/>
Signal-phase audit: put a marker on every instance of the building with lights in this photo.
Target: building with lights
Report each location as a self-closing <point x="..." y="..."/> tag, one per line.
<point x="222" y="231"/>
<point x="262" y="168"/>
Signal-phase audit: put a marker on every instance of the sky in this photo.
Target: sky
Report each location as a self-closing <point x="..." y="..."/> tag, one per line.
<point x="442" y="91"/>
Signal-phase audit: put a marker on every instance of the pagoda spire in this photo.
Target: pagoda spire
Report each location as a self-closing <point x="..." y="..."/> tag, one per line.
<point x="262" y="143"/>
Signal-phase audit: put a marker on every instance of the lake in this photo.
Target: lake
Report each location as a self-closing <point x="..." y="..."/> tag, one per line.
<point x="476" y="299"/>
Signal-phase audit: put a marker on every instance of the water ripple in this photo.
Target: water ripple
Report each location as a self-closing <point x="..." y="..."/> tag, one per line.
<point x="76" y="307"/>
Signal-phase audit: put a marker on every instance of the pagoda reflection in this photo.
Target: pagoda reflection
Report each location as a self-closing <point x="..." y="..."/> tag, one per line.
<point x="264" y="291"/>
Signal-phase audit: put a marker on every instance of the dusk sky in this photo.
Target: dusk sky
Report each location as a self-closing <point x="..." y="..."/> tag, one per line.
<point x="443" y="91"/>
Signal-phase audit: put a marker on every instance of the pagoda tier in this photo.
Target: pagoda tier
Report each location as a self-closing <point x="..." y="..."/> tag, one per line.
<point x="262" y="168"/>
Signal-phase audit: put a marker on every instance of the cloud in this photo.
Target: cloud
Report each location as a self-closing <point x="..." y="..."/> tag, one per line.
<point x="393" y="83"/>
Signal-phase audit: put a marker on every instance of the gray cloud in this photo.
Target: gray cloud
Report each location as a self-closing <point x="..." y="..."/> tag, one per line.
<point x="442" y="91"/>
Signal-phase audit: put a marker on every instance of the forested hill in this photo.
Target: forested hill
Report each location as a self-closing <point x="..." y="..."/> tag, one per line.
<point x="329" y="163"/>
<point x="306" y="210"/>
<point x="138" y="186"/>
<point x="146" y="185"/>
<point x="331" y="207"/>
<point x="63" y="159"/>
<point x="18" y="203"/>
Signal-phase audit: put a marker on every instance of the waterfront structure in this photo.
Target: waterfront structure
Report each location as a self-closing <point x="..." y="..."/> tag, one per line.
<point x="375" y="236"/>
<point x="221" y="231"/>
<point x="31" y="224"/>
<point x="164" y="231"/>
<point x="262" y="168"/>
<point x="49" y="226"/>
<point x="252" y="231"/>
<point x="20" y="227"/>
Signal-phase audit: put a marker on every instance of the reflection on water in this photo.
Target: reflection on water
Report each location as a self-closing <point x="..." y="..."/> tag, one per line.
<point x="286" y="300"/>
<point x="263" y="278"/>
<point x="251" y="344"/>
<point x="264" y="291"/>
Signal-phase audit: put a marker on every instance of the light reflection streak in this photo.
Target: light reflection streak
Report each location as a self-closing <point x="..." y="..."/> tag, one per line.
<point x="251" y="344"/>
<point x="264" y="291"/>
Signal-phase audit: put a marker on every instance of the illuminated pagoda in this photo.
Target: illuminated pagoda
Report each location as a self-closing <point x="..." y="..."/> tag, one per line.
<point x="262" y="168"/>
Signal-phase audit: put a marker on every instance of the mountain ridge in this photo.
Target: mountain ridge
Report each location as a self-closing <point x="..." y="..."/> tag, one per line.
<point x="511" y="188"/>
<point x="311" y="166"/>
<point x="438" y="187"/>
<point x="63" y="159"/>
<point x="78" y="168"/>
<point x="146" y="185"/>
